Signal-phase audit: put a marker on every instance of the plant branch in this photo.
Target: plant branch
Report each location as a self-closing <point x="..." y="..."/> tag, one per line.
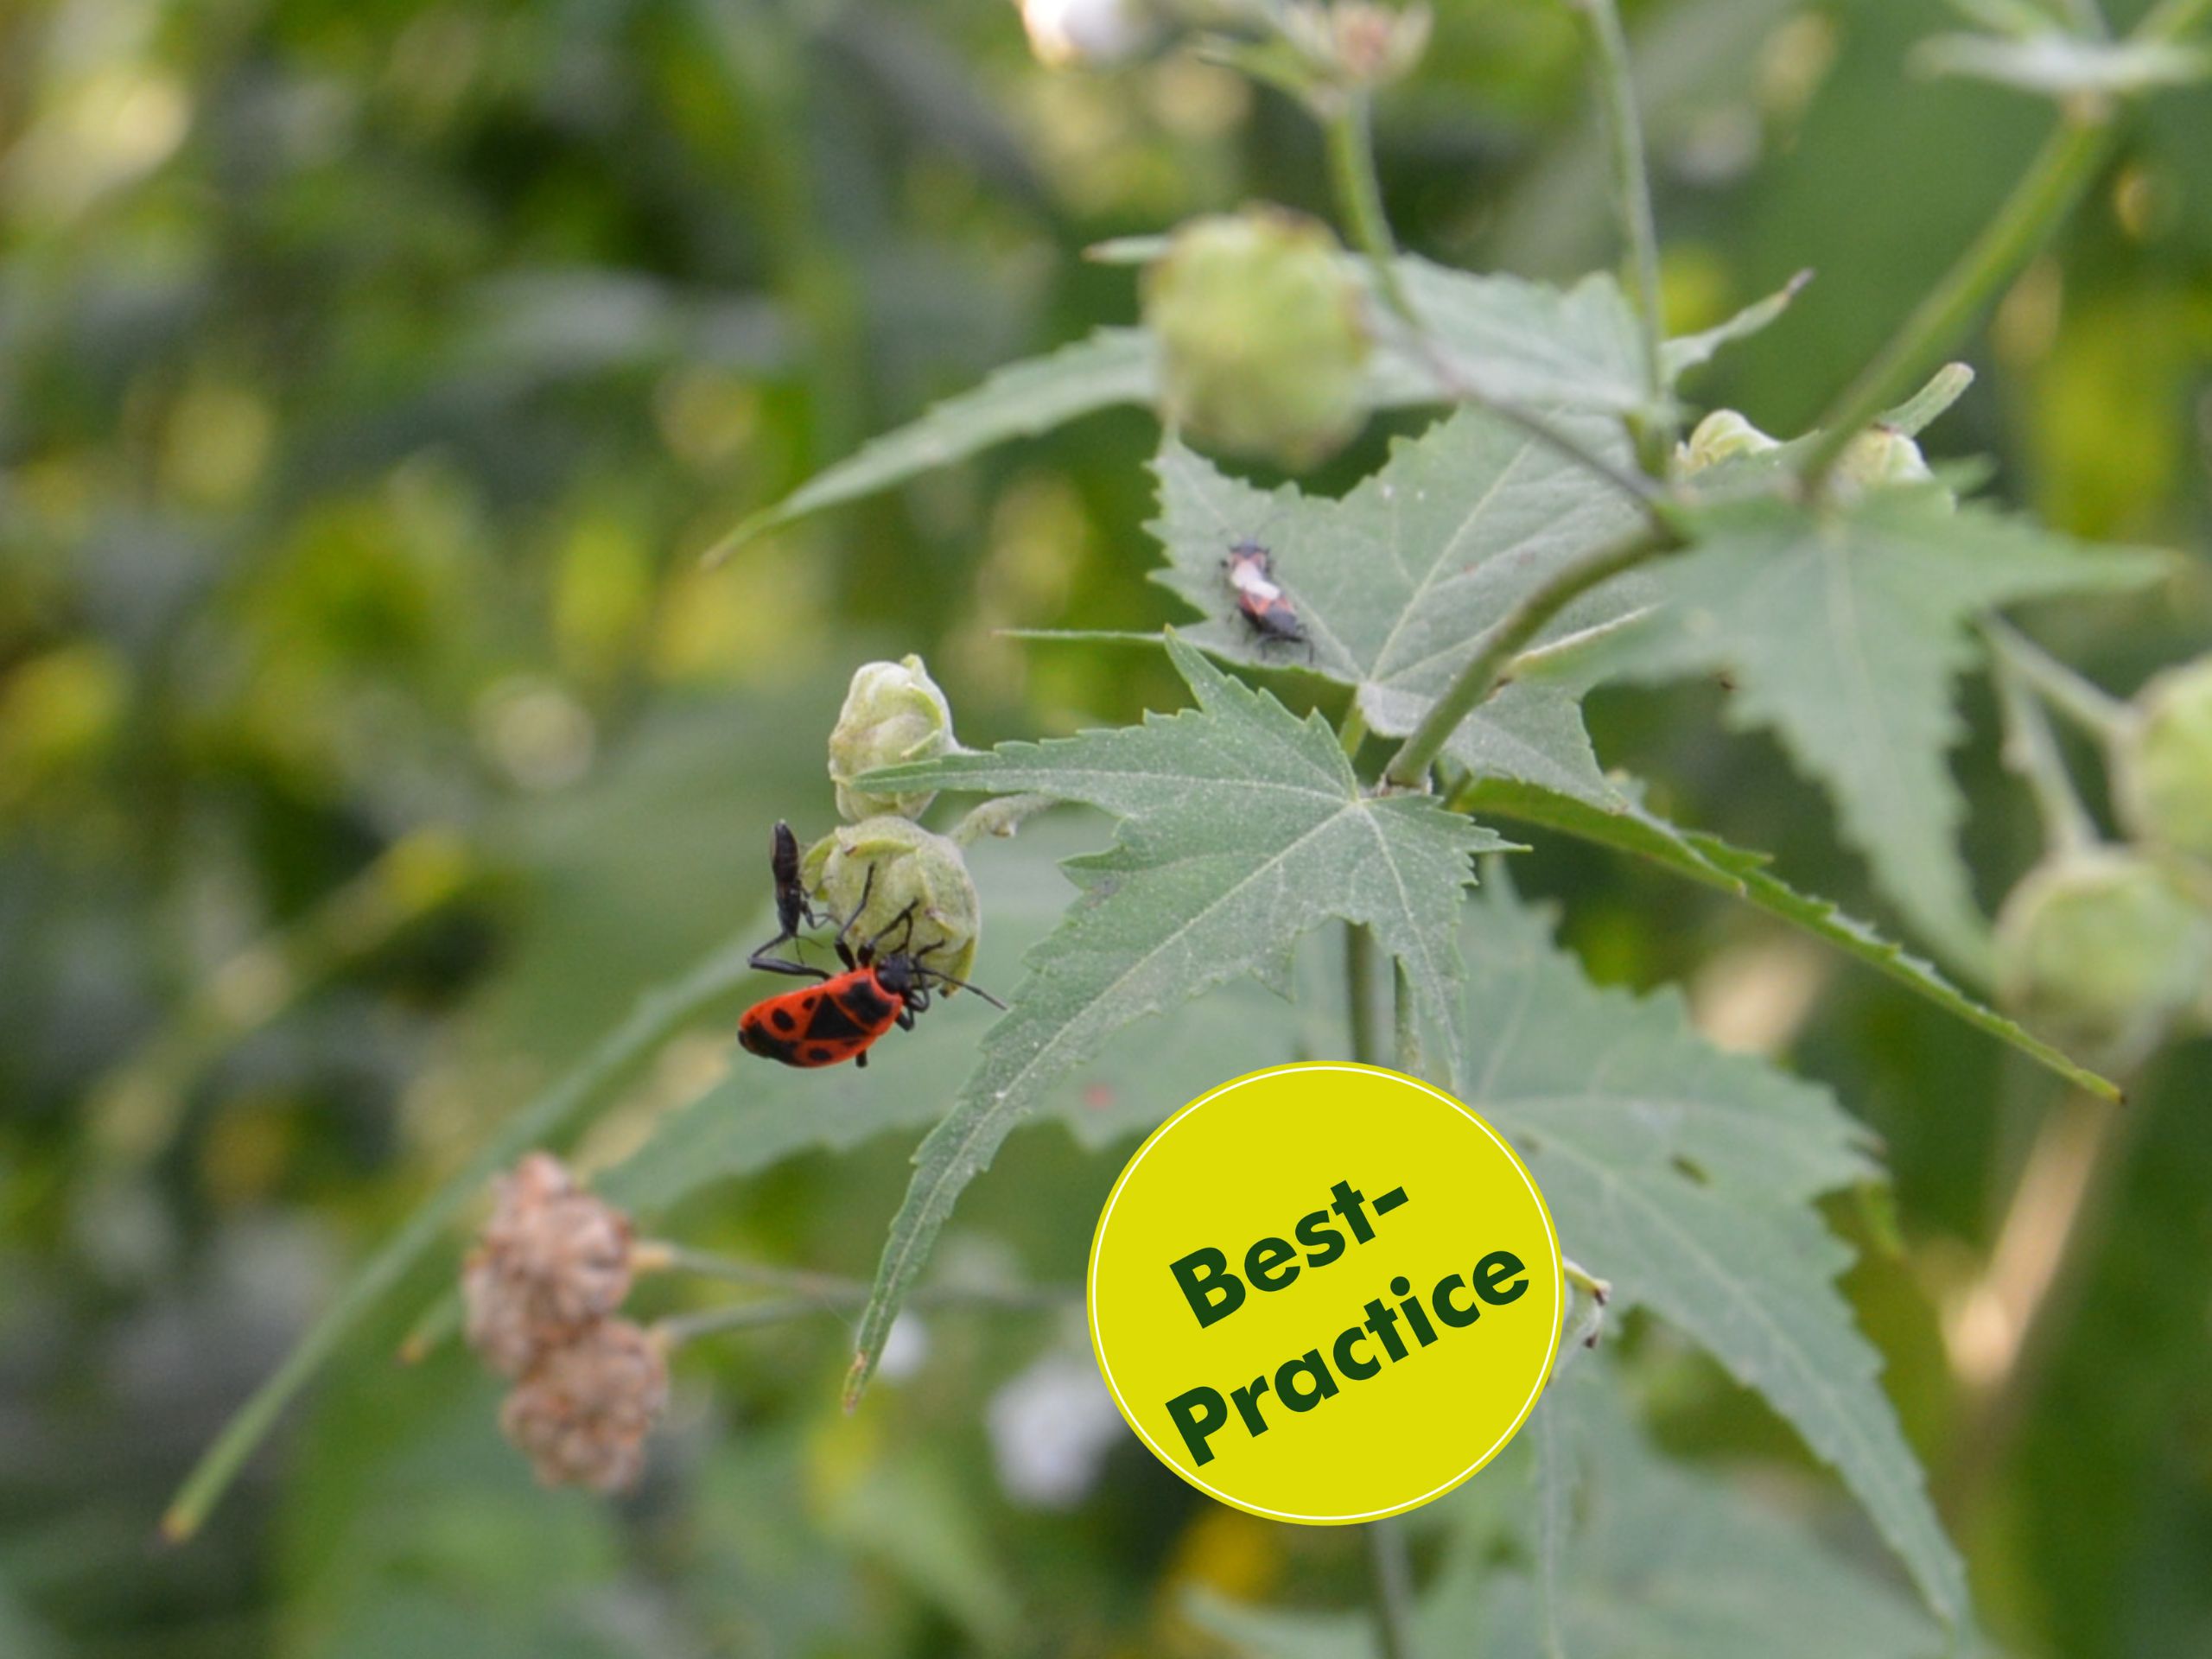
<point x="825" y="1294"/>
<point x="1633" y="206"/>
<point x="2032" y="752"/>
<point x="1391" y="1570"/>
<point x="1409" y="1058"/>
<point x="1359" y="994"/>
<point x="2030" y="216"/>
<point x="1485" y="671"/>
<point x="2089" y="706"/>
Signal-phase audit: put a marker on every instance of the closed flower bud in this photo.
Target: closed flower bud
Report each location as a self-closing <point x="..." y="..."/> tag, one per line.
<point x="2163" y="767"/>
<point x="2102" y="951"/>
<point x="582" y="1413"/>
<point x="895" y="863"/>
<point x="1722" y="435"/>
<point x="1880" y="459"/>
<point x="1088" y="33"/>
<point x="552" y="1261"/>
<point x="1260" y="337"/>
<point x="894" y="714"/>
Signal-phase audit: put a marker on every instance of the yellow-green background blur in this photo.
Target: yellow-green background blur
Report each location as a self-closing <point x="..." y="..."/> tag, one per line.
<point x="372" y="375"/>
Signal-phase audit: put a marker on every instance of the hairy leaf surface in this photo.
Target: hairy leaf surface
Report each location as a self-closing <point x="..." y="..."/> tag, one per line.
<point x="1666" y="1563"/>
<point x="1843" y="630"/>
<point x="1244" y="827"/>
<point x="1687" y="1177"/>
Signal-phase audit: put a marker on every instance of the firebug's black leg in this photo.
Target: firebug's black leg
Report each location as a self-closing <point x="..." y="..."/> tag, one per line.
<point x="769" y="964"/>
<point x="869" y="951"/>
<point x="844" y="949"/>
<point x="860" y="1059"/>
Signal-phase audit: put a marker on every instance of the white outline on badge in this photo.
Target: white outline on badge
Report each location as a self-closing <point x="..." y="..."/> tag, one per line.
<point x="1559" y="1298"/>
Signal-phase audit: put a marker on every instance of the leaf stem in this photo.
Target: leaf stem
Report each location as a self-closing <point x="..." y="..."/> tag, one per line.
<point x="2088" y="705"/>
<point x="826" y="1294"/>
<point x="1390" y="1567"/>
<point x="1001" y="816"/>
<point x="657" y="1016"/>
<point x="1485" y="671"/>
<point x="2053" y="182"/>
<point x="1633" y="206"/>
<point x="2031" y="750"/>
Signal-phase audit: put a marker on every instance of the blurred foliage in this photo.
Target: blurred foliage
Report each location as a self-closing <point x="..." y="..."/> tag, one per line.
<point x="370" y="378"/>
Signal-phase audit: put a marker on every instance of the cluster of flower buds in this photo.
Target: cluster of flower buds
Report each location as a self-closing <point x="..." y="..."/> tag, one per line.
<point x="2111" y="949"/>
<point x="881" y="865"/>
<point x="1263" y="342"/>
<point x="542" y="1288"/>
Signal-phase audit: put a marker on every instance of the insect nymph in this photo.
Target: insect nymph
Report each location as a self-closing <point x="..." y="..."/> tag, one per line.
<point x="1259" y="598"/>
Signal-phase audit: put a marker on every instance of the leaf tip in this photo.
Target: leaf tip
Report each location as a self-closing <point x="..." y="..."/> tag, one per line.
<point x="856" y="1379"/>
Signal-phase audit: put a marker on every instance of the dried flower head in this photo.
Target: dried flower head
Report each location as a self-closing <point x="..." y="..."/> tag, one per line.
<point x="552" y="1261"/>
<point x="582" y="1413"/>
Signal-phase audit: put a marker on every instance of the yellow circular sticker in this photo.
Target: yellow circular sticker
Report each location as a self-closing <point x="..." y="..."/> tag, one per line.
<point x="1325" y="1292"/>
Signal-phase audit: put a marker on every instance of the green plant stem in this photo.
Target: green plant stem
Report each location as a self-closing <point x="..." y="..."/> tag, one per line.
<point x="2031" y="750"/>
<point x="823" y="1293"/>
<point x="1485" y="671"/>
<point x="657" y="1016"/>
<point x="2030" y="216"/>
<point x="1632" y="208"/>
<point x="1390" y="1567"/>
<point x="2092" y="708"/>
<point x="1359" y="994"/>
<point x="1408" y="1047"/>
<point x="1347" y="127"/>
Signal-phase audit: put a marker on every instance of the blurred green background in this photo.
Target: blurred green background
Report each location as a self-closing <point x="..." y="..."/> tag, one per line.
<point x="372" y="376"/>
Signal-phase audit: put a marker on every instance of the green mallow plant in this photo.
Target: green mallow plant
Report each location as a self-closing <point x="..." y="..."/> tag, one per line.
<point x="1559" y="524"/>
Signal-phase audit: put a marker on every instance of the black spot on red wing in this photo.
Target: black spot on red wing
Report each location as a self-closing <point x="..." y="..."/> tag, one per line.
<point x="755" y="1037"/>
<point x="784" y="1021"/>
<point x="834" y="1021"/>
<point x="868" y="1005"/>
<point x="819" y="1055"/>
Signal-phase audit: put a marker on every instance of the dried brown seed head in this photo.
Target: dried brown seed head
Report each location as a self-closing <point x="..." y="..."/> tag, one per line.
<point x="552" y="1261"/>
<point x="583" y="1411"/>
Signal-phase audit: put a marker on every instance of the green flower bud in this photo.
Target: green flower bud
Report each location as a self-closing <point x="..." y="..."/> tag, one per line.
<point x="2101" y="952"/>
<point x="1880" y="459"/>
<point x="1261" y="338"/>
<point x="2163" y="767"/>
<point x="894" y="863"/>
<point x="894" y="714"/>
<point x="1722" y="435"/>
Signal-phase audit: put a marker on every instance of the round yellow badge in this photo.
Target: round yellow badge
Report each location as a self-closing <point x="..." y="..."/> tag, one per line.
<point x="1325" y="1292"/>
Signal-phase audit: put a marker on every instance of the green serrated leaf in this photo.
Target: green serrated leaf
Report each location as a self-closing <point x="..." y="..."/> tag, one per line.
<point x="1572" y="349"/>
<point x="1688" y="1178"/>
<point x="1397" y="582"/>
<point x="1111" y="367"/>
<point x="1667" y="1562"/>
<point x="1688" y="352"/>
<point x="2057" y="65"/>
<point x="1843" y="629"/>
<point x="1244" y="828"/>
<point x="1714" y="862"/>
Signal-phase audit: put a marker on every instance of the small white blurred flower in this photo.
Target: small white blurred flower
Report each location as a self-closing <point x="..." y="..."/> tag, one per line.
<point x="1050" y="1428"/>
<point x="1094" y="33"/>
<point x="906" y="1348"/>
